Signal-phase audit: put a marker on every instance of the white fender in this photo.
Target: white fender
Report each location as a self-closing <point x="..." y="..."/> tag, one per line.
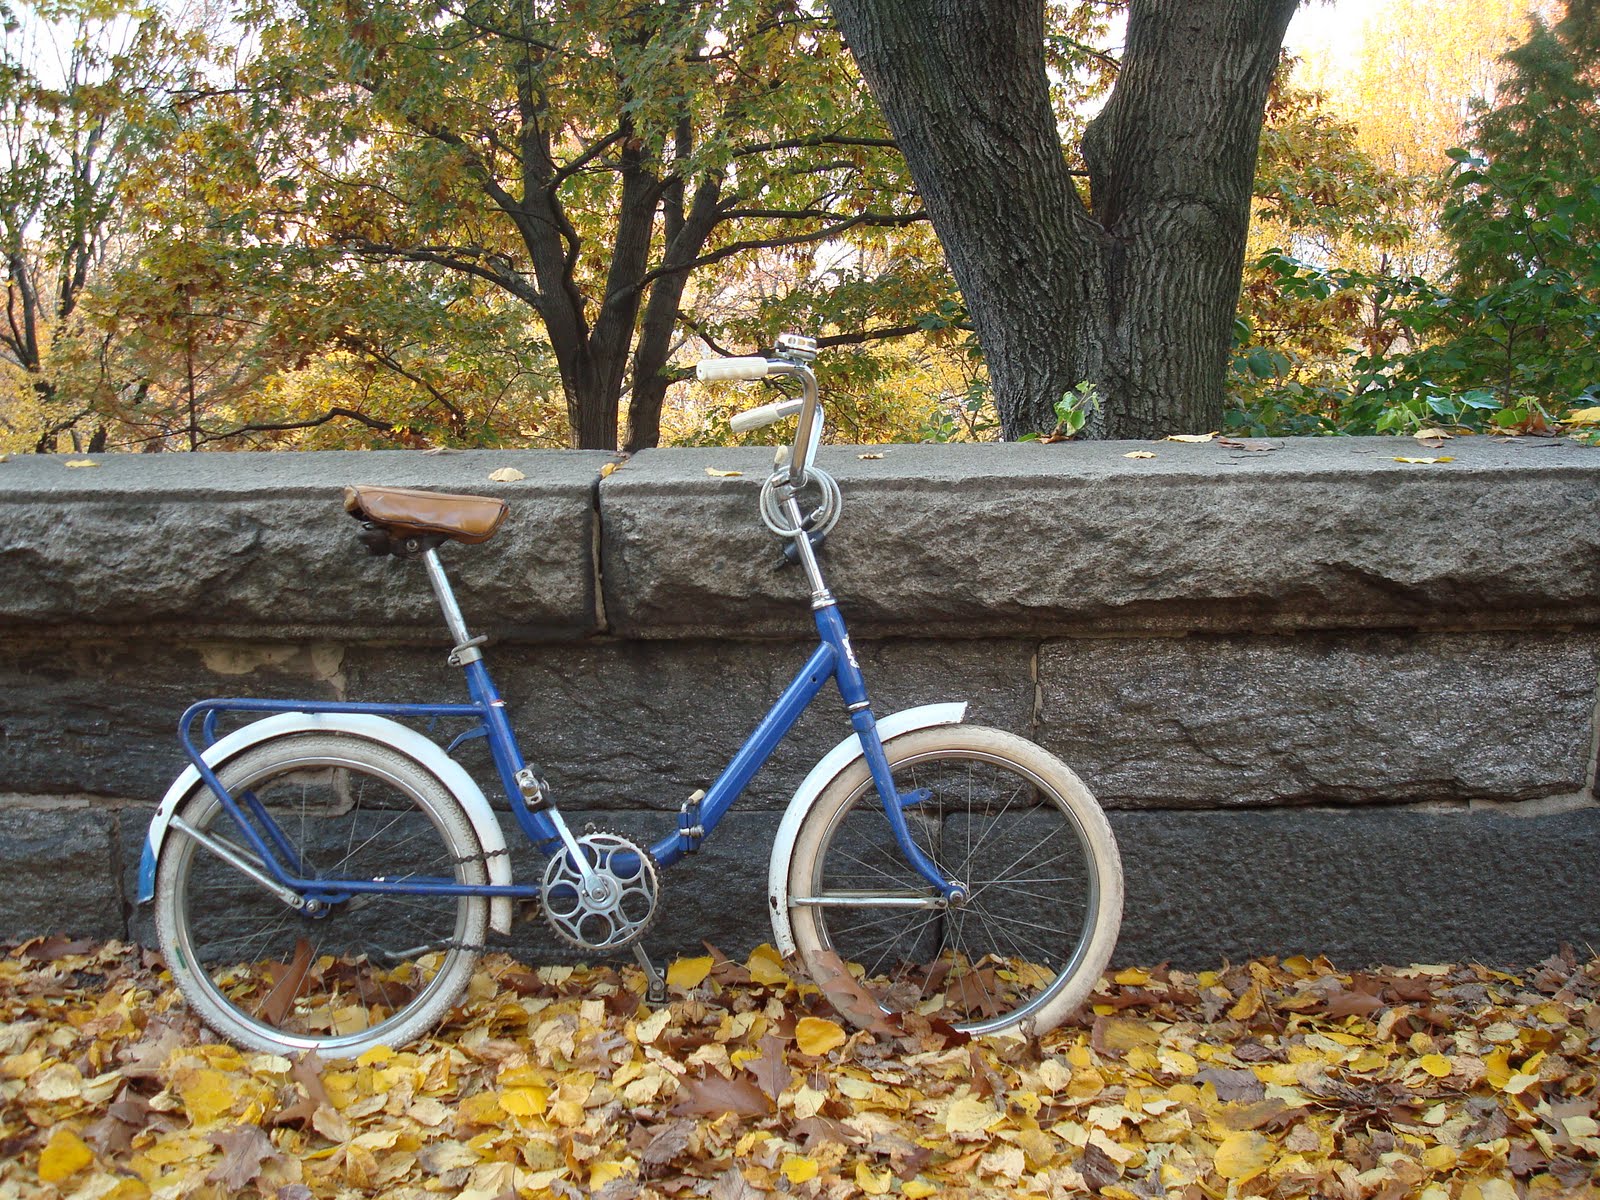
<point x="375" y="729"/>
<point x="831" y="764"/>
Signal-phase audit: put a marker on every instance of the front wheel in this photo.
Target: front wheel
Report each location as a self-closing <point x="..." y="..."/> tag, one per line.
<point x="369" y="968"/>
<point x="1016" y="828"/>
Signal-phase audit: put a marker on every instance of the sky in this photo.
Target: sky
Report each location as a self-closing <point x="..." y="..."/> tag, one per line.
<point x="1331" y="28"/>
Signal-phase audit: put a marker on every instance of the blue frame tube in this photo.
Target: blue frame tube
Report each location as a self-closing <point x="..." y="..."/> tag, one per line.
<point x="833" y="659"/>
<point x="758" y="747"/>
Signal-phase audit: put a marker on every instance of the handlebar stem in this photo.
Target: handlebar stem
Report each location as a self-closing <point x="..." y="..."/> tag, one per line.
<point x="800" y="458"/>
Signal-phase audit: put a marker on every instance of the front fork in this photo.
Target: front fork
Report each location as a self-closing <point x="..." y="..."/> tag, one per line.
<point x="853" y="690"/>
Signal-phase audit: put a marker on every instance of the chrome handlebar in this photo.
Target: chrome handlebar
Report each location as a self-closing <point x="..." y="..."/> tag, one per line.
<point x="808" y="430"/>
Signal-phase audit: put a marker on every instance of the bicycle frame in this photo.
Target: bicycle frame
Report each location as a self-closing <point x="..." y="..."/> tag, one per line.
<point x="833" y="659"/>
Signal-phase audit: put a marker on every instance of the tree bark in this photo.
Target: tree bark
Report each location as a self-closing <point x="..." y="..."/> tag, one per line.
<point x="1135" y="291"/>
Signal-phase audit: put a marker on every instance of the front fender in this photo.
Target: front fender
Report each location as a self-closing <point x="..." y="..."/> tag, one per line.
<point x="491" y="838"/>
<point x="836" y="760"/>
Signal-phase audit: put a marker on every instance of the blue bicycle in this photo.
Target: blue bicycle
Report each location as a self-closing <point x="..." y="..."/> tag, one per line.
<point x="325" y="877"/>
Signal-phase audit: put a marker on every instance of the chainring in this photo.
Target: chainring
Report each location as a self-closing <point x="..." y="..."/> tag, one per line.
<point x="621" y="909"/>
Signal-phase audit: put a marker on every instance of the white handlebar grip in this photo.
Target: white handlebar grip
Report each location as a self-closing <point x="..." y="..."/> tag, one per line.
<point x="711" y="369"/>
<point x="755" y="418"/>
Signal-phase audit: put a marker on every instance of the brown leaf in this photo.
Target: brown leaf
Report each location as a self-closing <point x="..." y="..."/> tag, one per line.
<point x="1097" y="1169"/>
<point x="772" y="1073"/>
<point x="288" y="978"/>
<point x="1255" y="445"/>
<point x="712" y="1095"/>
<point x="666" y="1143"/>
<point x="245" y="1149"/>
<point x="54" y="949"/>
<point x="307" y="1072"/>
<point x="849" y="997"/>
<point x="731" y="1185"/>
<point x="1233" y="1086"/>
<point x="812" y="1132"/>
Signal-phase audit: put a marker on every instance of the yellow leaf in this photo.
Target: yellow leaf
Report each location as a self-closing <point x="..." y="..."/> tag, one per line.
<point x="606" y="470"/>
<point x="689" y="972"/>
<point x="1440" y="1158"/>
<point x="525" y="1101"/>
<point x="1583" y="416"/>
<point x="866" y="456"/>
<point x="1519" y="1083"/>
<point x="1436" y="1065"/>
<point x="207" y="1094"/>
<point x="1497" y="1069"/>
<point x="797" y="1168"/>
<point x="506" y="475"/>
<point x="968" y="1115"/>
<point x="1423" y="434"/>
<point x="1189" y="437"/>
<point x="1132" y="977"/>
<point x="917" y="1189"/>
<point x="1140" y="454"/>
<point x="1243" y="1156"/>
<point x="80" y="462"/>
<point x="818" y="1035"/>
<point x="873" y="1183"/>
<point x="376" y="1057"/>
<point x="1248" y="1005"/>
<point x="1424" y="461"/>
<point x="64" y="1155"/>
<point x="716" y="474"/>
<point x="766" y="966"/>
<point x="604" y="1172"/>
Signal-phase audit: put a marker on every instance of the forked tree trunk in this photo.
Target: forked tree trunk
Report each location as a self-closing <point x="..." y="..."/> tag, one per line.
<point x="1134" y="292"/>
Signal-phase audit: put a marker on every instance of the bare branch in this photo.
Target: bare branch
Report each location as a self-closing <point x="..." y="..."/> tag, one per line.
<point x="332" y="414"/>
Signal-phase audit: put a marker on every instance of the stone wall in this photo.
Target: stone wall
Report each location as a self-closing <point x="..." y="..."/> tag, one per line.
<point x="1335" y="703"/>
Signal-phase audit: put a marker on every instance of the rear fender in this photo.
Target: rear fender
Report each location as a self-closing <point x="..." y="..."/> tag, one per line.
<point x="491" y="838"/>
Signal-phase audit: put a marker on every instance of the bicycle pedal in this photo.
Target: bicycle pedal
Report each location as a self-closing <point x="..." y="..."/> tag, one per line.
<point x="656" y="991"/>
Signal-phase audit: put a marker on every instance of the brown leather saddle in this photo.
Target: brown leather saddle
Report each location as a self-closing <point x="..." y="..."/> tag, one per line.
<point x="406" y="513"/>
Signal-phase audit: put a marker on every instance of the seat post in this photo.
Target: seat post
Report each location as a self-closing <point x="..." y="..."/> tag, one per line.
<point x="442" y="591"/>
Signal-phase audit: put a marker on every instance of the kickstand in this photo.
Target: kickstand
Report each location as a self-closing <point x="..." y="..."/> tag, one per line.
<point x="657" y="991"/>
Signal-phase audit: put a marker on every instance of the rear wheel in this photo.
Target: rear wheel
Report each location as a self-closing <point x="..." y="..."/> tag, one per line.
<point x="1004" y="818"/>
<point x="372" y="968"/>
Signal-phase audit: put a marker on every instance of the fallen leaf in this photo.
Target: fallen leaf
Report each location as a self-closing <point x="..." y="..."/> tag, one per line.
<point x="1140" y="454"/>
<point x="968" y="1115"/>
<point x="716" y="474"/>
<point x="771" y="1071"/>
<point x="799" y="1169"/>
<point x="606" y="470"/>
<point x="63" y="1156"/>
<point x="1431" y="434"/>
<point x="712" y="1095"/>
<point x="1189" y="437"/>
<point x="849" y="997"/>
<point x="873" y="1183"/>
<point x="80" y="462"/>
<point x="1583" y="416"/>
<point x="288" y="978"/>
<point x="506" y="475"/>
<point x="866" y="456"/>
<point x="667" y="1142"/>
<point x="1424" y="461"/>
<point x="1254" y="445"/>
<point x="817" y="1035"/>
<point x="689" y="972"/>
<point x="244" y="1150"/>
<point x="1243" y="1156"/>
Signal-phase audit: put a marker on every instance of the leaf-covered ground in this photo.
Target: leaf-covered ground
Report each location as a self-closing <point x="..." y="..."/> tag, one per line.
<point x="1265" y="1079"/>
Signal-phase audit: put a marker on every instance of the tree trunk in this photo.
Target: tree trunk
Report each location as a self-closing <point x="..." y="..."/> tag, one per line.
<point x="1134" y="293"/>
